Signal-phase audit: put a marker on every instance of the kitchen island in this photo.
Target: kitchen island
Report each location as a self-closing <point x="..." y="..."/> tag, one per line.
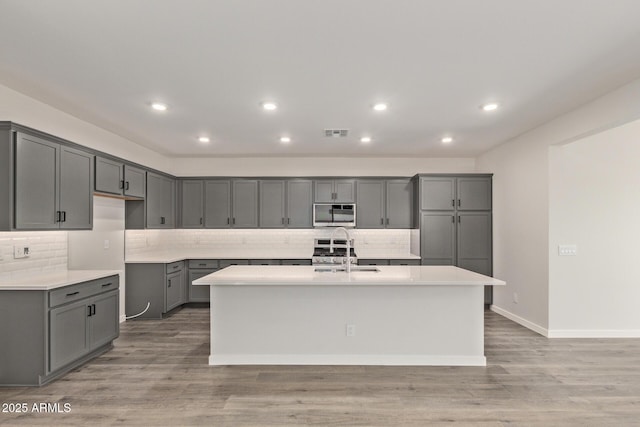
<point x="387" y="315"/>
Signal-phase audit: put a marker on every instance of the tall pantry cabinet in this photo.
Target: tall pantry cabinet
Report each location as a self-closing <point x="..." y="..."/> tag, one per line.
<point x="456" y="222"/>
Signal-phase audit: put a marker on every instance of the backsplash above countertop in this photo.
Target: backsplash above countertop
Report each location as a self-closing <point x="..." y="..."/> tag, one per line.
<point x="48" y="252"/>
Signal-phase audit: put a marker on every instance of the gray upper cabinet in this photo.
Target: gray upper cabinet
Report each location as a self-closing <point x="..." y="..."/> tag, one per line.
<point x="370" y="204"/>
<point x="340" y="190"/>
<point x="114" y="177"/>
<point x="399" y="203"/>
<point x="76" y="189"/>
<point x="192" y="204"/>
<point x="299" y="203"/>
<point x="437" y="193"/>
<point x="245" y="204"/>
<point x="217" y="204"/>
<point x="384" y="203"/>
<point x="272" y="204"/>
<point x="286" y="204"/>
<point x="53" y="185"/>
<point x="160" y="201"/>
<point x="474" y="194"/>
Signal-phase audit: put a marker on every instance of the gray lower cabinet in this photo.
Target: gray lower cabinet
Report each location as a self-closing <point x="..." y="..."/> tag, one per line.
<point x="160" y="201"/>
<point x="47" y="333"/>
<point x="161" y="286"/>
<point x="394" y="261"/>
<point x="199" y="268"/>
<point x="53" y="185"/>
<point x="115" y="177"/>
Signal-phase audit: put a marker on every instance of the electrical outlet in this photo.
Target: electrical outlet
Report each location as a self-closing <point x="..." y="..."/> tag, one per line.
<point x="106" y="244"/>
<point x="351" y="330"/>
<point x="567" y="250"/>
<point x="515" y="297"/>
<point x="20" y="252"/>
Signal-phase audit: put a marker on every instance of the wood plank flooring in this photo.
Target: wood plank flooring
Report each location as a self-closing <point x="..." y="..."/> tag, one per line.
<point x="157" y="374"/>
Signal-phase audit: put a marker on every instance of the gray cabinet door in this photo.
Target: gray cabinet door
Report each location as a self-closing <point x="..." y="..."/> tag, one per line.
<point x="160" y="201"/>
<point x="272" y="204"/>
<point x="36" y="183"/>
<point x="134" y="184"/>
<point x="192" y="206"/>
<point x="199" y="293"/>
<point x="76" y="189"/>
<point x="245" y="204"/>
<point x="474" y="194"/>
<point x="370" y="204"/>
<point x="299" y="204"/>
<point x="345" y="191"/>
<point x="437" y="193"/>
<point x="217" y="204"/>
<point x="474" y="242"/>
<point x="399" y="202"/>
<point x="104" y="320"/>
<point x="173" y="291"/>
<point x="438" y="238"/>
<point x="109" y="176"/>
<point x="69" y="335"/>
<point x="323" y="191"/>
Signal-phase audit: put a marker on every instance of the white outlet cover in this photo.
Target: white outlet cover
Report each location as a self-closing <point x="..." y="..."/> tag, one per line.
<point x="567" y="250"/>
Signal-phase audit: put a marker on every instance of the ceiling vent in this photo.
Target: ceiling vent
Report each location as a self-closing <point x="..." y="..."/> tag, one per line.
<point x="336" y="133"/>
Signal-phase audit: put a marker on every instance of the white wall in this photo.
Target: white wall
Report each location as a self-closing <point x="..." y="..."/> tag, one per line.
<point x="521" y="202"/>
<point x="330" y="166"/>
<point x="595" y="203"/>
<point x="19" y="108"/>
<point x="87" y="249"/>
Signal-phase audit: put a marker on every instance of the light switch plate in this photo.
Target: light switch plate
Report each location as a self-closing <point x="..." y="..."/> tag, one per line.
<point x="567" y="250"/>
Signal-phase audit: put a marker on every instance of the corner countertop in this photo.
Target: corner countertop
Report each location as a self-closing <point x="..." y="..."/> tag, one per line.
<point x="52" y="280"/>
<point x="165" y="257"/>
<point x="255" y="275"/>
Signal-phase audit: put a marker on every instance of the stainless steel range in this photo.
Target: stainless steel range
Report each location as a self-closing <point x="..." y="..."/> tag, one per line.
<point x="333" y="252"/>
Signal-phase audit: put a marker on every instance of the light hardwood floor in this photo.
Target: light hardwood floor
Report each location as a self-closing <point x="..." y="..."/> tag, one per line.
<point x="157" y="374"/>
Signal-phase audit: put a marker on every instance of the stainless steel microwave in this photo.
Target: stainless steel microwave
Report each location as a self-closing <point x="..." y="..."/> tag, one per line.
<point x="334" y="215"/>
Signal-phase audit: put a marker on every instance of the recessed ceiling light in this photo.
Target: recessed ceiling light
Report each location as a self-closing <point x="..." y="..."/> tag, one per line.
<point x="447" y="140"/>
<point x="365" y="139"/>
<point x="269" y="106"/>
<point x="159" y="106"/>
<point x="380" y="106"/>
<point x="204" y="139"/>
<point x="285" y="139"/>
<point x="492" y="106"/>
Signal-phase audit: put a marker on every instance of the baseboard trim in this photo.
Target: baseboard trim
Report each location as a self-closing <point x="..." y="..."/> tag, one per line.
<point x="123" y="318"/>
<point x="594" y="333"/>
<point x="521" y="321"/>
<point x="346" y="359"/>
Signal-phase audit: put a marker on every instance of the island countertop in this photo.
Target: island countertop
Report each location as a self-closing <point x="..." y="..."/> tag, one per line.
<point x="314" y="275"/>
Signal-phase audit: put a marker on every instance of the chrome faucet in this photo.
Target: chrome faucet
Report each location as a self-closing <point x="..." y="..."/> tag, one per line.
<point x="348" y="257"/>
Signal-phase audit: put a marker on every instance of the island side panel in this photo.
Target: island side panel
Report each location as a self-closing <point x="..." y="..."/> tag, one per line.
<point x="306" y="324"/>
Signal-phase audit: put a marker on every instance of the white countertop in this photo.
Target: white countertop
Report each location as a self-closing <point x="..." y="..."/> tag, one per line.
<point x="306" y="275"/>
<point x="52" y="280"/>
<point x="165" y="257"/>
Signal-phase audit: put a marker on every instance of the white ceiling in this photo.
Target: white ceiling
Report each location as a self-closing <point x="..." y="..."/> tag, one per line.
<point x="324" y="62"/>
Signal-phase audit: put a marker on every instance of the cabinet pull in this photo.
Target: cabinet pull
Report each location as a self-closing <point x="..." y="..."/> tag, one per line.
<point x="202" y="265"/>
<point x="288" y="220"/>
<point x="458" y="219"/>
<point x="73" y="293"/>
<point x="64" y="216"/>
<point x="381" y="221"/>
<point x="121" y="186"/>
<point x="200" y="220"/>
<point x="227" y="221"/>
<point x="453" y="219"/>
<point x="94" y="309"/>
<point x="453" y="202"/>
<point x="161" y="220"/>
<point x="387" y="221"/>
<point x="282" y="221"/>
<point x="90" y="310"/>
<point x="58" y="216"/>
<point x="169" y="283"/>
<point x="126" y="185"/>
<point x="175" y="266"/>
<point x="234" y="221"/>
<point x="104" y="285"/>
<point x="458" y="202"/>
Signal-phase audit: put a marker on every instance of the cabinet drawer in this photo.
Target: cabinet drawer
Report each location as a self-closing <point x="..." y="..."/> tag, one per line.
<point x="296" y="262"/>
<point x="82" y="290"/>
<point x="227" y="262"/>
<point x="203" y="263"/>
<point x="174" y="266"/>
<point x="404" y="262"/>
<point x="264" y="262"/>
<point x="373" y="261"/>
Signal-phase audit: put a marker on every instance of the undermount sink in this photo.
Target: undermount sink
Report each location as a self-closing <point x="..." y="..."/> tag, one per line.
<point x="344" y="270"/>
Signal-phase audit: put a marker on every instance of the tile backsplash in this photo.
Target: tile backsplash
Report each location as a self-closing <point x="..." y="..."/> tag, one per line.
<point x="141" y="241"/>
<point x="47" y="252"/>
